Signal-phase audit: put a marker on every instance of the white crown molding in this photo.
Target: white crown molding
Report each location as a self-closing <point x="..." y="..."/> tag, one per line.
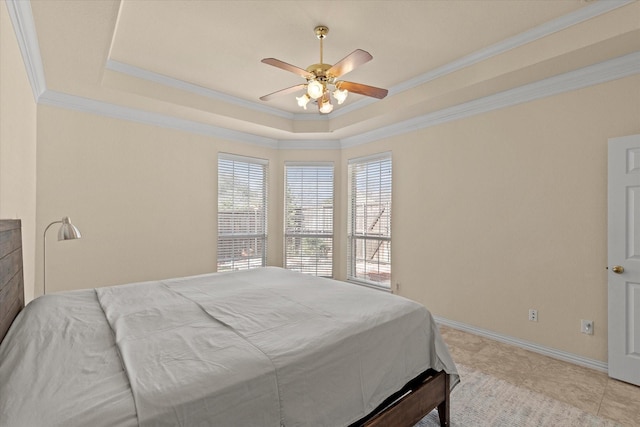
<point x="22" y="20"/>
<point x="594" y="74"/>
<point x="92" y="106"/>
<point x="77" y="103"/>
<point x="591" y="75"/>
<point x="536" y="348"/>
<point x="140" y="73"/>
<point x="309" y="144"/>
<point x="548" y="28"/>
<point x="143" y="74"/>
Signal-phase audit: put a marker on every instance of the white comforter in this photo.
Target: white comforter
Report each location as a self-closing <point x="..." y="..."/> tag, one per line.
<point x="264" y="347"/>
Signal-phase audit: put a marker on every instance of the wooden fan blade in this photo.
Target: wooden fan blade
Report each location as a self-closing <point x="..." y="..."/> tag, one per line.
<point x="288" y="67"/>
<point x="286" y="91"/>
<point x="349" y="62"/>
<point x="372" y="91"/>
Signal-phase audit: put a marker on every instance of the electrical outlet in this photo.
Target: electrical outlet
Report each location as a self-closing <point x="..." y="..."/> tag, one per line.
<point x="586" y="326"/>
<point x="533" y="315"/>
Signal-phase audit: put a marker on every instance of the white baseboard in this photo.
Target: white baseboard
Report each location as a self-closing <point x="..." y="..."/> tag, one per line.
<point x="536" y="348"/>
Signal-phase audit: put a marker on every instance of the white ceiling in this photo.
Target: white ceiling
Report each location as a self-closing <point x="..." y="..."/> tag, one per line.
<point x="199" y="60"/>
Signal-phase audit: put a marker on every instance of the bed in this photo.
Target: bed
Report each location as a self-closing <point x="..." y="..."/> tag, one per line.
<point x="263" y="347"/>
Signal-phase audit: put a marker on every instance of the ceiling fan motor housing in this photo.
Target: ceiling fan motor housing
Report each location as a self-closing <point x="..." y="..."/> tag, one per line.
<point x="320" y="71"/>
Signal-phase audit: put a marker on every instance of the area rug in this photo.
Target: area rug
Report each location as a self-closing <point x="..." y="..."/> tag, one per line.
<point x="481" y="400"/>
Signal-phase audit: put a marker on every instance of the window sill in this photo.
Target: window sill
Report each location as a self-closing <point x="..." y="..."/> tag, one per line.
<point x="370" y="285"/>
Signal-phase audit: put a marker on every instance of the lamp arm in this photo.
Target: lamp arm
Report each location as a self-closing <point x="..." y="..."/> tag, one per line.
<point x="44" y="257"/>
<point x="45" y="230"/>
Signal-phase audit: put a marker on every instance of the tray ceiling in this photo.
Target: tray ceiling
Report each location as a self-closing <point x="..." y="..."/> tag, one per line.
<point x="200" y="60"/>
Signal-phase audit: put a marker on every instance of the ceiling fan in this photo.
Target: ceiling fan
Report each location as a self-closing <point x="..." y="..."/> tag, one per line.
<point x="322" y="79"/>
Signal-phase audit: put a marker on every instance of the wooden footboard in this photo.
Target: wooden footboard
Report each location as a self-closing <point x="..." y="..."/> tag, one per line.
<point x="422" y="395"/>
<point x="11" y="276"/>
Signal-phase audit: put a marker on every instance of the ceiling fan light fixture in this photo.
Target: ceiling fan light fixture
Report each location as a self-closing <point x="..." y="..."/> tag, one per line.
<point x="303" y="100"/>
<point x="340" y="95"/>
<point x="315" y="89"/>
<point x="324" y="104"/>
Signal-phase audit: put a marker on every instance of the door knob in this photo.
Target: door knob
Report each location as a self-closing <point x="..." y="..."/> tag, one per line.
<point x="618" y="269"/>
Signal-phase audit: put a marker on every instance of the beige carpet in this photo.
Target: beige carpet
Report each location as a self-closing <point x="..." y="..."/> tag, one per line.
<point x="482" y="400"/>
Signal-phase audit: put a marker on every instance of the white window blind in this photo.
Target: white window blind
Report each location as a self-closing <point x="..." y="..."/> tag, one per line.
<point x="309" y="218"/>
<point x="242" y="212"/>
<point x="369" y="227"/>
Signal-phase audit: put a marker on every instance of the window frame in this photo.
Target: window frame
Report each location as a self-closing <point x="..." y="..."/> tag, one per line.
<point x="359" y="238"/>
<point x="240" y="217"/>
<point x="321" y="232"/>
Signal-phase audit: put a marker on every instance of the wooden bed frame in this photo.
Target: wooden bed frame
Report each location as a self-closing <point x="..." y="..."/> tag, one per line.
<point x="423" y="394"/>
<point x="403" y="409"/>
<point x="11" y="277"/>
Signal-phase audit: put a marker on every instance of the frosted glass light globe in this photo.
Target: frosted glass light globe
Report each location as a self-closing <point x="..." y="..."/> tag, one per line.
<point x="315" y="89"/>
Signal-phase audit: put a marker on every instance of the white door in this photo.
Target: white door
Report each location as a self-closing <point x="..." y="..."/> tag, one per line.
<point x="624" y="258"/>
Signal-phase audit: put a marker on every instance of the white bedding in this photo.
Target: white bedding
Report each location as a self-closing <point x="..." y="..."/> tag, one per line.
<point x="264" y="347"/>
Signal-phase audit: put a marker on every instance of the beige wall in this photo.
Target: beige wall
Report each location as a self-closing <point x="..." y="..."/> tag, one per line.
<point x="507" y="210"/>
<point x="17" y="145"/>
<point x="143" y="197"/>
<point x="492" y="215"/>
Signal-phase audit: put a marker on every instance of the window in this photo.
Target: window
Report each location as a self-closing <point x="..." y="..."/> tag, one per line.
<point x="242" y="212"/>
<point x="369" y="232"/>
<point x="308" y="210"/>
